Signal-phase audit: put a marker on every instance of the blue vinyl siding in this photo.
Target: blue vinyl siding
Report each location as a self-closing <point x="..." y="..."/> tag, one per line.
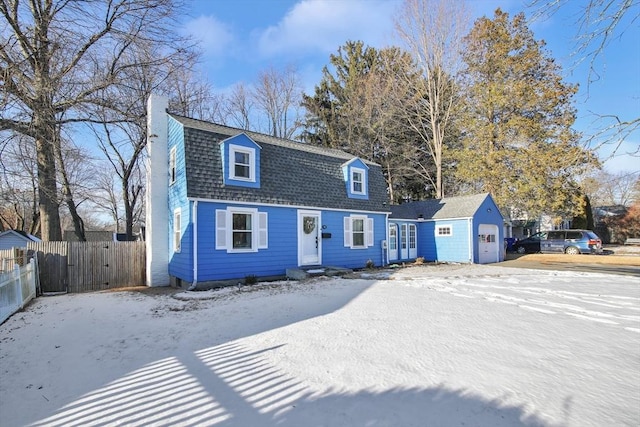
<point x="454" y="248"/>
<point x="180" y="264"/>
<point x="282" y="252"/>
<point x="334" y="253"/>
<point x="219" y="265"/>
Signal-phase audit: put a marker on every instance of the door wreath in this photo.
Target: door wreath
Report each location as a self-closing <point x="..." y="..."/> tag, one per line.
<point x="308" y="225"/>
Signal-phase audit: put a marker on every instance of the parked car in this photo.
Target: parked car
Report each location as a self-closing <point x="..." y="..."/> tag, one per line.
<point x="529" y="245"/>
<point x="571" y="242"/>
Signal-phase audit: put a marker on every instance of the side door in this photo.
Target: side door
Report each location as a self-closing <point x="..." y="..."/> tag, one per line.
<point x="404" y="250"/>
<point x="554" y="242"/>
<point x="393" y="242"/>
<point x="413" y="241"/>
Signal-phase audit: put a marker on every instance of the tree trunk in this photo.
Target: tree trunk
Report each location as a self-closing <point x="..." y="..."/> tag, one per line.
<point x="78" y="223"/>
<point x="44" y="121"/>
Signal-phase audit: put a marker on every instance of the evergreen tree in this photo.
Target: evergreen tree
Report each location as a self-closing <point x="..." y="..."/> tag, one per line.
<point x="518" y="142"/>
<point x="358" y="107"/>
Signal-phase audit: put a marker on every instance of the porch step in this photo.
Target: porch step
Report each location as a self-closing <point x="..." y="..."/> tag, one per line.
<point x="301" y="274"/>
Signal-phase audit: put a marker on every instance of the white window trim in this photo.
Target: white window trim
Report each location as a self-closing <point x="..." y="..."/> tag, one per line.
<point x="415" y="236"/>
<point x="233" y="149"/>
<point x="363" y="174"/>
<point x="442" y="226"/>
<point x="224" y="229"/>
<point x="393" y="237"/>
<point x="172" y="165"/>
<point x="367" y="230"/>
<point x="177" y="230"/>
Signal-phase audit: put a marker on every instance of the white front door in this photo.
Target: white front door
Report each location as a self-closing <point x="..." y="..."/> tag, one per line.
<point x="393" y="242"/>
<point x="413" y="243"/>
<point x="488" y="245"/>
<point x="309" y="238"/>
<point x="404" y="252"/>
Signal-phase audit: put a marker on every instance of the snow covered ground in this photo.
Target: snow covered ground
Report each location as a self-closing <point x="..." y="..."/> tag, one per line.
<point x="426" y="346"/>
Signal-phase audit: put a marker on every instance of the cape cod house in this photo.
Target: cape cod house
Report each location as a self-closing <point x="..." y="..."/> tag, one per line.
<point x="239" y="204"/>
<point x="224" y="203"/>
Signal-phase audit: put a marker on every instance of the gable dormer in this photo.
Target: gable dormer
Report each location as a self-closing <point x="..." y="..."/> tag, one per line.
<point x="356" y="177"/>
<point x="240" y="161"/>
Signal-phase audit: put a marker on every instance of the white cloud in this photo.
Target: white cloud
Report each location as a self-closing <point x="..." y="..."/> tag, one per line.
<point x="324" y="25"/>
<point x="214" y="35"/>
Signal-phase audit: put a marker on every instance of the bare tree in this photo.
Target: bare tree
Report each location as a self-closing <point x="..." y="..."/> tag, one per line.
<point x="192" y="96"/>
<point x="18" y="186"/>
<point x="278" y="94"/>
<point x="58" y="58"/>
<point x="608" y="189"/>
<point x="600" y="22"/>
<point x="238" y="107"/>
<point x="432" y="31"/>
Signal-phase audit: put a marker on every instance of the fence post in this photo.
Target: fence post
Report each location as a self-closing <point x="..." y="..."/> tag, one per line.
<point x="16" y="274"/>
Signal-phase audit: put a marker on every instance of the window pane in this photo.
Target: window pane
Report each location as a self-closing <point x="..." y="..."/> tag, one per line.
<point x="241" y="221"/>
<point x="242" y="171"/>
<point x="242" y="165"/>
<point x="356" y="178"/>
<point x="358" y="238"/>
<point x="358" y="225"/>
<point x="242" y="158"/>
<point x="241" y="240"/>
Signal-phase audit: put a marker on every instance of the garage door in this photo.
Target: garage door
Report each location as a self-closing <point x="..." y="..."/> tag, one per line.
<point x="488" y="245"/>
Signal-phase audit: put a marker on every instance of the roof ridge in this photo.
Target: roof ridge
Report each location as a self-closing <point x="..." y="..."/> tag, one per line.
<point x="269" y="139"/>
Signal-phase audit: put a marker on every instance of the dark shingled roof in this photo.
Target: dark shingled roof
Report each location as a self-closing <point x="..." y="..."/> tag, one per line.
<point x="449" y="207"/>
<point x="291" y="173"/>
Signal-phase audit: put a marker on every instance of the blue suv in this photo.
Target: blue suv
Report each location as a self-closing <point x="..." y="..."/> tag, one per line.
<point x="571" y="242"/>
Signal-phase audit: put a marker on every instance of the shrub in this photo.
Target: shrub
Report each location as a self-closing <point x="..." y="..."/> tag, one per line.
<point x="251" y="279"/>
<point x="370" y="264"/>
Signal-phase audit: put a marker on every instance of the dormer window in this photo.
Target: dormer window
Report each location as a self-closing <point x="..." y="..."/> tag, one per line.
<point x="355" y="176"/>
<point x="357" y="181"/>
<point x="242" y="162"/>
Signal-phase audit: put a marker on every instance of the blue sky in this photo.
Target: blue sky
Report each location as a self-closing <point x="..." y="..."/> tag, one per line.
<point x="242" y="37"/>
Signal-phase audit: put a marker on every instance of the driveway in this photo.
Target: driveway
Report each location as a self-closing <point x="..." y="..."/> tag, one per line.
<point x="615" y="260"/>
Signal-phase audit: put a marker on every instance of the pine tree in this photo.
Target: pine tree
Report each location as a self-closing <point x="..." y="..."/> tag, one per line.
<point x="518" y="143"/>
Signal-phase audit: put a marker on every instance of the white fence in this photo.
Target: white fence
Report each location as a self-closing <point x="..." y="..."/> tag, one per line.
<point x="17" y="288"/>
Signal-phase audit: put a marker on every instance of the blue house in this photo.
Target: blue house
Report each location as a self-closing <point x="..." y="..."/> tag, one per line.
<point x="466" y="229"/>
<point x="224" y="203"/>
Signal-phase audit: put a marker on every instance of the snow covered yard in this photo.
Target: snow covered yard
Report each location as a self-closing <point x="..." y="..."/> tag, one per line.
<point x="431" y="346"/>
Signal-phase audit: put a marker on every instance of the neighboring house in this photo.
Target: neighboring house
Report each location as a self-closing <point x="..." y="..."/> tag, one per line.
<point x="16" y="239"/>
<point x="602" y="217"/>
<point x="467" y="229"/>
<point x="238" y="203"/>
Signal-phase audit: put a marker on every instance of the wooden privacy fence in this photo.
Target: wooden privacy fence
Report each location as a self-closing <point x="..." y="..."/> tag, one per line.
<point x="89" y="266"/>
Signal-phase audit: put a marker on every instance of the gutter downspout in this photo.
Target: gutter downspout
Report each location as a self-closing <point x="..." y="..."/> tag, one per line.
<point x="471" y="240"/>
<point x="385" y="251"/>
<point x="195" y="246"/>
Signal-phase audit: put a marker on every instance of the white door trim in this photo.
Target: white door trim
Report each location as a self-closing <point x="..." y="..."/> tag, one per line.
<point x="489" y="250"/>
<point x="403" y="241"/>
<point x="304" y="260"/>
<point x="393" y="241"/>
